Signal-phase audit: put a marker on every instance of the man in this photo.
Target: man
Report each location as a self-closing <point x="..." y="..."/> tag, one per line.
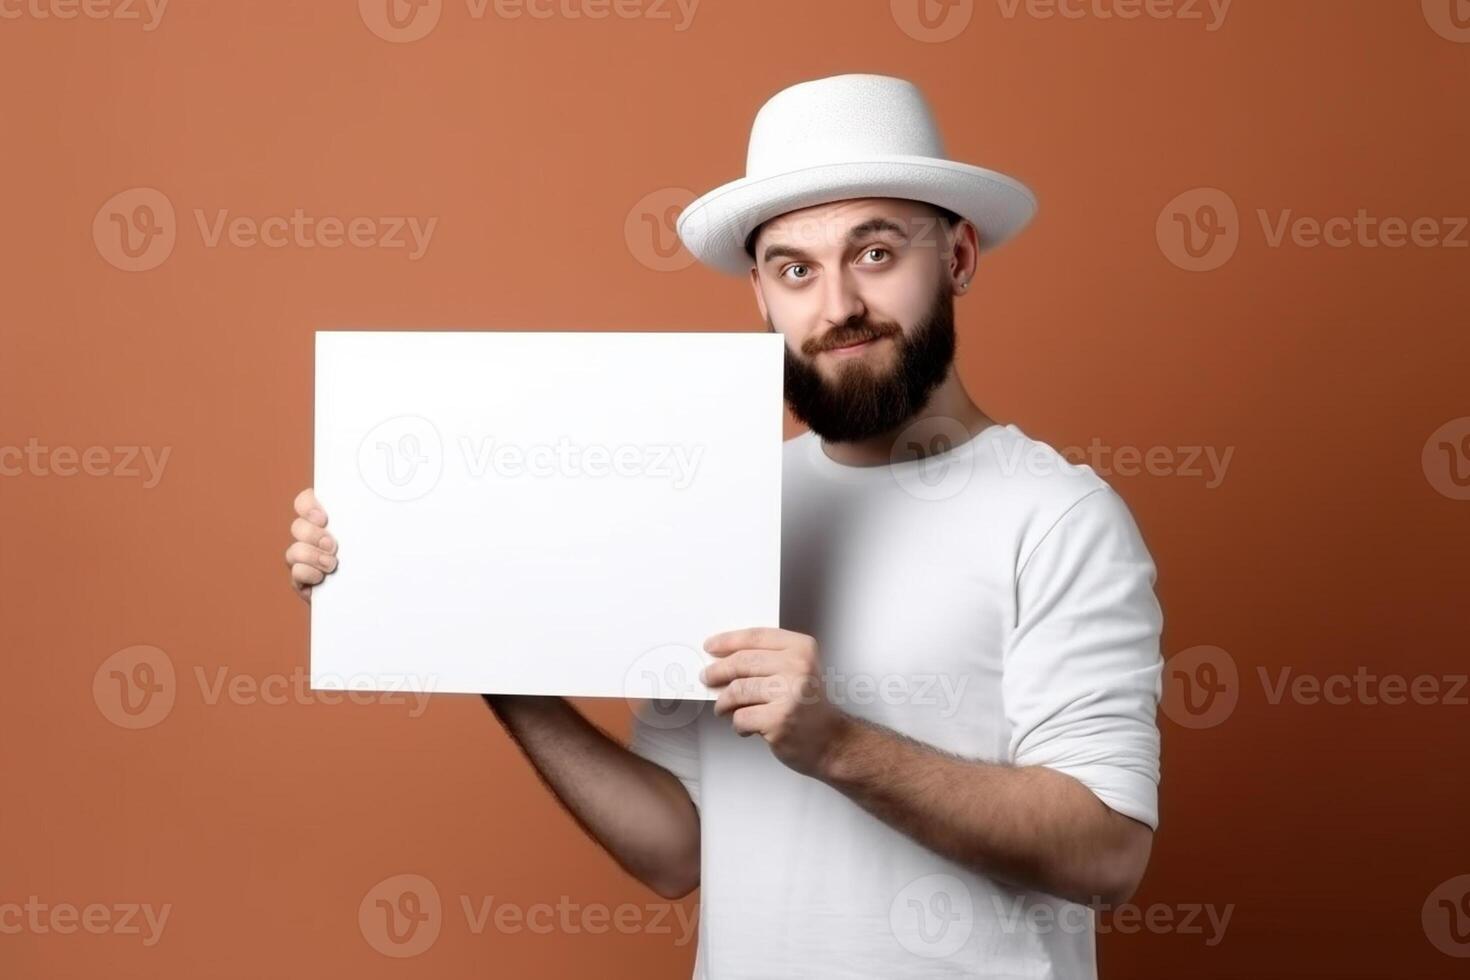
<point x="958" y="755"/>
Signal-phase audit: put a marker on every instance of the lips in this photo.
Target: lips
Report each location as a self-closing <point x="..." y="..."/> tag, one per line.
<point x="853" y="347"/>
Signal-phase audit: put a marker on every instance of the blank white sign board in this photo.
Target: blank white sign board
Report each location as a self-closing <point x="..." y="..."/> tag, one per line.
<point x="544" y="513"/>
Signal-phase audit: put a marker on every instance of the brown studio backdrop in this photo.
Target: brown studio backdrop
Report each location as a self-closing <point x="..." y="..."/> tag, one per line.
<point x="534" y="142"/>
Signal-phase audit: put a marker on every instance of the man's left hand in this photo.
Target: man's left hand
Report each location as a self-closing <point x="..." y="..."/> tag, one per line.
<point x="771" y="680"/>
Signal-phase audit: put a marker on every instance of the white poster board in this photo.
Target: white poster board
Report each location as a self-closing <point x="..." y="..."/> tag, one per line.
<point x="544" y="513"/>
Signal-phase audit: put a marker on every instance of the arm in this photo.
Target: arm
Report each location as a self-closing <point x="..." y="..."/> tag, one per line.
<point x="1071" y="811"/>
<point x="1028" y="826"/>
<point x="637" y="811"/>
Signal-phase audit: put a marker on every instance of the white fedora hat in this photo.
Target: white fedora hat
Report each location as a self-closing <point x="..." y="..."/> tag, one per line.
<point x="841" y="137"/>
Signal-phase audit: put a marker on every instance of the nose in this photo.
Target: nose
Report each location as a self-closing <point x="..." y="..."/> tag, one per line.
<point x="841" y="301"/>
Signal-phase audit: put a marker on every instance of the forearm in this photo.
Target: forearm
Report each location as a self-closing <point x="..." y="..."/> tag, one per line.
<point x="637" y="811"/>
<point x="1029" y="827"/>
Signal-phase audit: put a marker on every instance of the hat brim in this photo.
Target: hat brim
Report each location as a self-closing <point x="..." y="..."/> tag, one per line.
<point x="714" y="227"/>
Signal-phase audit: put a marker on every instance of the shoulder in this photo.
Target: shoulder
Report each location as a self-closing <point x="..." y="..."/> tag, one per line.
<point x="1032" y="472"/>
<point x="1044" y="491"/>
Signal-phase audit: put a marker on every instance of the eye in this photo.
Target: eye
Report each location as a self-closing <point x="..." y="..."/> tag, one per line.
<point x="876" y="248"/>
<point x="795" y="265"/>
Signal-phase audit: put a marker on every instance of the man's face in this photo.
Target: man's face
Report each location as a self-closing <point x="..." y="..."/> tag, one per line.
<point x="859" y="289"/>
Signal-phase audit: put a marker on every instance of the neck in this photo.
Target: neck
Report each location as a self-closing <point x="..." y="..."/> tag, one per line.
<point x="949" y="401"/>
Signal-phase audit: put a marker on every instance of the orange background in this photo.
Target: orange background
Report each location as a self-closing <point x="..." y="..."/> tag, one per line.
<point x="1326" y="548"/>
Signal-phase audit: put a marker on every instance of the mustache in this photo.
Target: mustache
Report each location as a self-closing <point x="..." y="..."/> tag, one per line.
<point x="849" y="334"/>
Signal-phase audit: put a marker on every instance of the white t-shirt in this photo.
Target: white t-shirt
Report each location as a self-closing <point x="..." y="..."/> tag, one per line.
<point x="995" y="601"/>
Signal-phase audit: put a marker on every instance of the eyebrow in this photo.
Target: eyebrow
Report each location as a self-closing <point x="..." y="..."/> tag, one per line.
<point x="858" y="231"/>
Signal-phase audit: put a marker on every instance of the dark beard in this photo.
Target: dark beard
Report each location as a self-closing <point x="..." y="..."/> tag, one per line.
<point x="861" y="404"/>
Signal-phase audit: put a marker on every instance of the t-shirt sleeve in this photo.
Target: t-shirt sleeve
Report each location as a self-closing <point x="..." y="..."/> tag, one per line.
<point x="1083" y="671"/>
<point x="675" y="747"/>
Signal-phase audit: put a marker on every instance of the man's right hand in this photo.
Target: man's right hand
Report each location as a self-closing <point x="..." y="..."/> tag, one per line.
<point x="313" y="552"/>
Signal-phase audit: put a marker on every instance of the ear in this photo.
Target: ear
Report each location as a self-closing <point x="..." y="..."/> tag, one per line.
<point x="760" y="297"/>
<point x="964" y="255"/>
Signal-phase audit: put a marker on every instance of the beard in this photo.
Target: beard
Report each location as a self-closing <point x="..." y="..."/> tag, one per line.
<point x="863" y="401"/>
